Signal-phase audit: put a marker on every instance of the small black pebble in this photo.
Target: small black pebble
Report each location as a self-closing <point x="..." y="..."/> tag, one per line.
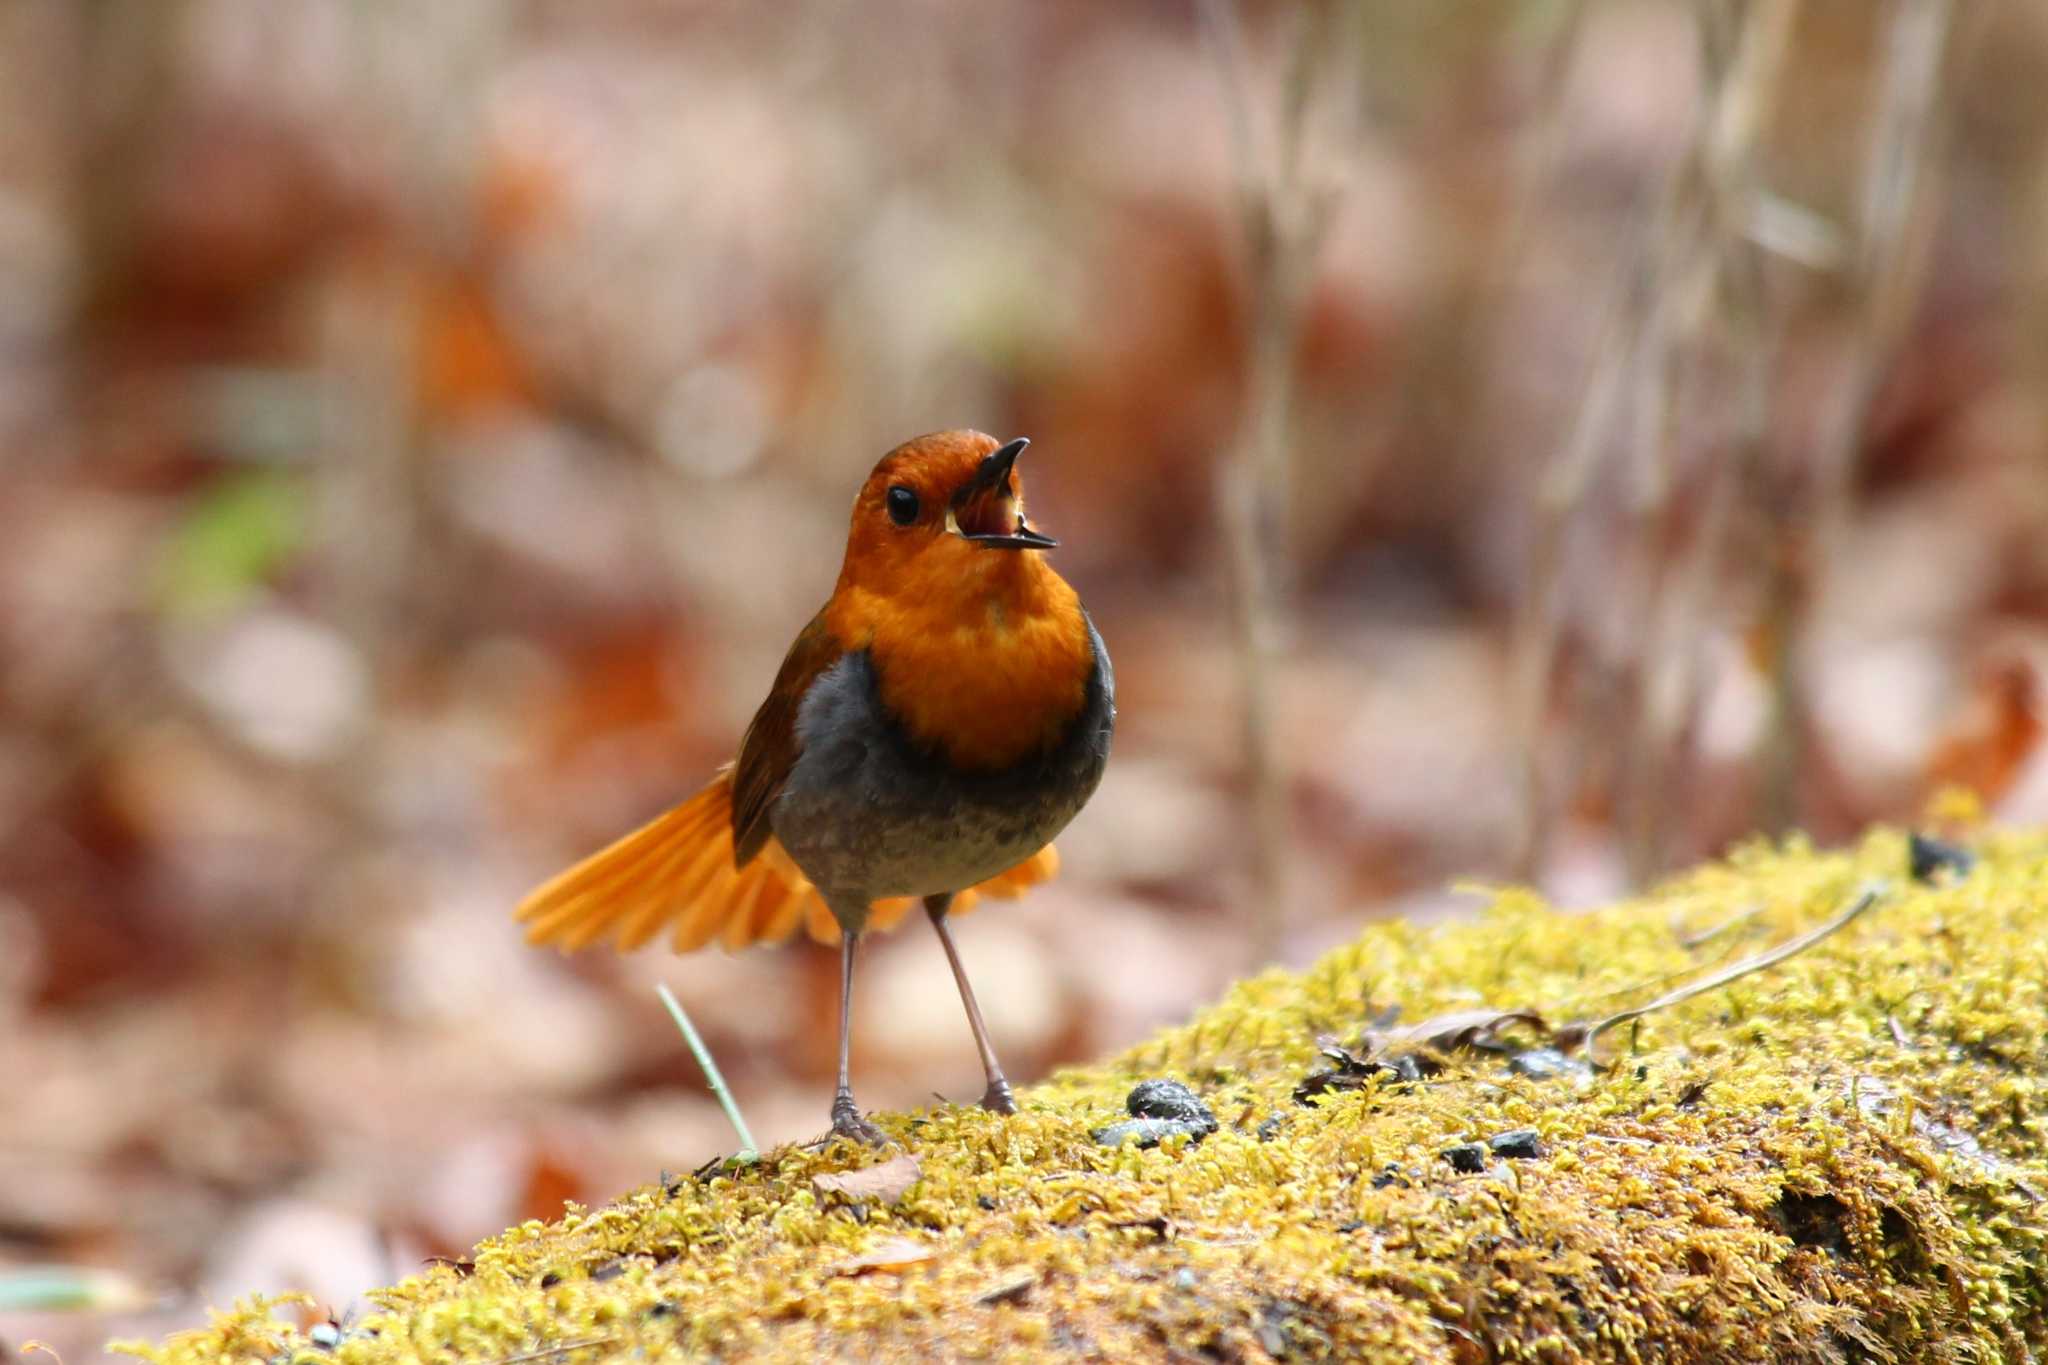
<point x="550" y="1280"/>
<point x="1169" y="1099"/>
<point x="987" y="1204"/>
<point x="1930" y="855"/>
<point x="1352" y="1226"/>
<point x="1269" y="1129"/>
<point x="661" y="1310"/>
<point x="1393" y="1175"/>
<point x="1516" y="1143"/>
<point x="1468" y="1157"/>
<point x="1149" y="1132"/>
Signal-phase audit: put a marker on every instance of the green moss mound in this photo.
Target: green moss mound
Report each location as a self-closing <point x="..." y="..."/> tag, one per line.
<point x="1836" y="1159"/>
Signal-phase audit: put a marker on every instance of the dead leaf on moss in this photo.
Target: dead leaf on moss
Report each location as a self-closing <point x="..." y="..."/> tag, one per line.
<point x="1419" y="1049"/>
<point x="1010" y="1291"/>
<point x="888" y="1182"/>
<point x="1449" y="1032"/>
<point x="898" y="1253"/>
<point x="1408" y="1053"/>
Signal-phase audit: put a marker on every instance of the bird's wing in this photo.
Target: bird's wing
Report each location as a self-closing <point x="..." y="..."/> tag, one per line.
<point x="771" y="747"/>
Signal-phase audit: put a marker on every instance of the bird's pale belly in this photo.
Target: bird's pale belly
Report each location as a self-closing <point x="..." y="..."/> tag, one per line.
<point x="865" y="815"/>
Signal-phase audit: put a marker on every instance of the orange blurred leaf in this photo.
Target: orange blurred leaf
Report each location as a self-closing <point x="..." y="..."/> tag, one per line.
<point x="888" y="1182"/>
<point x="898" y="1253"/>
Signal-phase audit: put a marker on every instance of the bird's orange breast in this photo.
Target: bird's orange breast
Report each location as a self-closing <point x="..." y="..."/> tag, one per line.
<point x="986" y="669"/>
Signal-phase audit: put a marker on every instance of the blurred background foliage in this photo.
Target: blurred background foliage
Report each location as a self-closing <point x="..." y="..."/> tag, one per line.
<point x="1534" y="441"/>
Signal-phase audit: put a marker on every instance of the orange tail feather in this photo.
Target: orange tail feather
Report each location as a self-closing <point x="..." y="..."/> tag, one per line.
<point x="675" y="874"/>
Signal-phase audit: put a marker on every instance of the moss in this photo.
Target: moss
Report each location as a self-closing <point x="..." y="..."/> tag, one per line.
<point x="1839" y="1159"/>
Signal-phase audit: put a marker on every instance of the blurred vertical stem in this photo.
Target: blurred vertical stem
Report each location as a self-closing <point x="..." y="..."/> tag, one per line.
<point x="1669" y="287"/>
<point x="2030" y="195"/>
<point x="1886" y="269"/>
<point x="1708" y="275"/>
<point x="127" y="77"/>
<point x="1283" y="219"/>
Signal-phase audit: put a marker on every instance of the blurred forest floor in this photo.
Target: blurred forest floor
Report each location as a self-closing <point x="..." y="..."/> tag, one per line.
<point x="423" y="428"/>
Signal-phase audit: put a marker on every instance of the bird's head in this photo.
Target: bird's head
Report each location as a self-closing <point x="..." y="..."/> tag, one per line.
<point x="941" y="514"/>
<point x="980" y="649"/>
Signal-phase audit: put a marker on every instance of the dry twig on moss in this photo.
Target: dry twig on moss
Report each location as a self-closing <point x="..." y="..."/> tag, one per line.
<point x="1585" y="1035"/>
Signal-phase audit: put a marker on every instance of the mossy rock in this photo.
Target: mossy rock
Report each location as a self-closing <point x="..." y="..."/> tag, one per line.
<point x="1838" y="1159"/>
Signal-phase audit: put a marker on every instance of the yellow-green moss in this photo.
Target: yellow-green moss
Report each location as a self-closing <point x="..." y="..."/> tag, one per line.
<point x="1839" y="1159"/>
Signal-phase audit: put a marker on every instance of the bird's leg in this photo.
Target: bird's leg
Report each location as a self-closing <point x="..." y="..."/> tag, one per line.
<point x="997" y="1097"/>
<point x="846" y="1116"/>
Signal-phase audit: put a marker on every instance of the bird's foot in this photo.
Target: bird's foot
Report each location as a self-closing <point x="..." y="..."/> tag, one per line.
<point x="997" y="1099"/>
<point x="848" y="1122"/>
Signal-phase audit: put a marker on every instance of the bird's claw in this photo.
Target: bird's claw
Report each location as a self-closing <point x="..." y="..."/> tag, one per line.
<point x="848" y="1122"/>
<point x="997" y="1099"/>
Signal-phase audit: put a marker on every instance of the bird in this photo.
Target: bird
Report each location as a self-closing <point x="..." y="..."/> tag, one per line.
<point x="945" y="714"/>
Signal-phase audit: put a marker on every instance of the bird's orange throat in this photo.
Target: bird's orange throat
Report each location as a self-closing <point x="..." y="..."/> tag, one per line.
<point x="986" y="662"/>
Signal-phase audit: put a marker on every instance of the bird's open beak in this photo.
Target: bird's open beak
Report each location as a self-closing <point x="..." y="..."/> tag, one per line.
<point x="986" y="499"/>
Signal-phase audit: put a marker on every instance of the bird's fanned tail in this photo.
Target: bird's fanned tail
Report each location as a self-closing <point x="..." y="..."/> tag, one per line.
<point x="675" y="874"/>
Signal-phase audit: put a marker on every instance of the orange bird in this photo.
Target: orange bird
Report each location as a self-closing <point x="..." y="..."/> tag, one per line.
<point x="933" y="727"/>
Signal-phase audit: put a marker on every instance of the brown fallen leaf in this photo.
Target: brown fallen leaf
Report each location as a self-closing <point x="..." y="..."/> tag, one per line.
<point x="1010" y="1291"/>
<point x="1457" y="1029"/>
<point x="898" y="1253"/>
<point x="889" y="1181"/>
<point x="1410" y="1052"/>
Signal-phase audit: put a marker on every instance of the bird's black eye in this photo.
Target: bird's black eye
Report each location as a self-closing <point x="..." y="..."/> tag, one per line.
<point x="902" y="505"/>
